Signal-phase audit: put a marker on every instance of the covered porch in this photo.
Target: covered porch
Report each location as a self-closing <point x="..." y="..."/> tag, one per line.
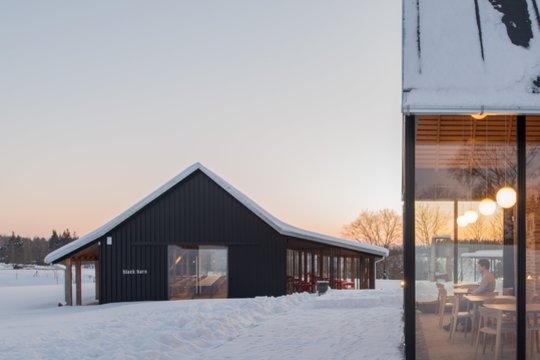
<point x="89" y="255"/>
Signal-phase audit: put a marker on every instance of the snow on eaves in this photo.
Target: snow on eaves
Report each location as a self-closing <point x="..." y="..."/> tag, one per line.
<point x="465" y="56"/>
<point x="276" y="224"/>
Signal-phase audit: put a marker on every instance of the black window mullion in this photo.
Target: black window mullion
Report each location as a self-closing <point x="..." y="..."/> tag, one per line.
<point x="521" y="236"/>
<point x="409" y="236"/>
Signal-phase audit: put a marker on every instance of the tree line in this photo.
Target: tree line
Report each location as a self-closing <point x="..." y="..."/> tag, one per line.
<point x="384" y="228"/>
<point x="16" y="249"/>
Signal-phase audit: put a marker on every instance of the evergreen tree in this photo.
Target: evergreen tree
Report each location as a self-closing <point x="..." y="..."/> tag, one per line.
<point x="15" y="249"/>
<point x="54" y="241"/>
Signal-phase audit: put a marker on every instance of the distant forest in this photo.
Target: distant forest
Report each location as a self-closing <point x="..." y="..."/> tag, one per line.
<point x="15" y="249"/>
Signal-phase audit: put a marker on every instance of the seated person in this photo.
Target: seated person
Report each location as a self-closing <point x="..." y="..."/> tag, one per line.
<point x="487" y="285"/>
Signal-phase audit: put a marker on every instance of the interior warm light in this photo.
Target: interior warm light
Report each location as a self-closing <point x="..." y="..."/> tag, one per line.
<point x="529" y="277"/>
<point x="471" y="216"/>
<point x="506" y="197"/>
<point x="480" y="116"/>
<point x="487" y="207"/>
<point x="462" y="221"/>
<point x="402" y="283"/>
<point x="178" y="259"/>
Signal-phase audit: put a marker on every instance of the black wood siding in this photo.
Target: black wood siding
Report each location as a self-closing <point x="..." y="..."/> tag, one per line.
<point x="194" y="212"/>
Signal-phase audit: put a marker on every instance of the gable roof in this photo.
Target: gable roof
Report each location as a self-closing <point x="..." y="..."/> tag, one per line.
<point x="465" y="56"/>
<point x="276" y="224"/>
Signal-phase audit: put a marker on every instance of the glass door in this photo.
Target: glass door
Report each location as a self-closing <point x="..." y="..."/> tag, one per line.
<point x="197" y="272"/>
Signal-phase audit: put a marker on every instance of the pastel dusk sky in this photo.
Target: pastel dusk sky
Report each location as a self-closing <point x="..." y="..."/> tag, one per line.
<point x="296" y="103"/>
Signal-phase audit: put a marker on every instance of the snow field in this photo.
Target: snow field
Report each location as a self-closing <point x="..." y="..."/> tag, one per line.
<point x="363" y="324"/>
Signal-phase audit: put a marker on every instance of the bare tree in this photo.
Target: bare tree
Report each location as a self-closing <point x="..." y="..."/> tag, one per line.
<point x="490" y="228"/>
<point x="430" y="220"/>
<point x="476" y="230"/>
<point x="381" y="228"/>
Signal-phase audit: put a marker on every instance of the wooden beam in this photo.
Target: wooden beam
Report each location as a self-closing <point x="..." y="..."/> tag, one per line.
<point x="78" y="282"/>
<point x="67" y="283"/>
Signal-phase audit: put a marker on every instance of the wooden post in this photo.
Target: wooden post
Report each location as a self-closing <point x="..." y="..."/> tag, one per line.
<point x="305" y="266"/>
<point x="372" y="273"/>
<point x="320" y="264"/>
<point x="97" y="276"/>
<point x="312" y="279"/>
<point x="353" y="271"/>
<point x="78" y="282"/>
<point x="345" y="268"/>
<point x="332" y="269"/>
<point x="67" y="283"/>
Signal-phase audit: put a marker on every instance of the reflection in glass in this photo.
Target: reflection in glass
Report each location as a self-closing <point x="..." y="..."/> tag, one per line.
<point x="460" y="162"/>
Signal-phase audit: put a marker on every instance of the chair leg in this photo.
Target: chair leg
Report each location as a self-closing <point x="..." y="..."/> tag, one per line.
<point x="476" y="345"/>
<point x="453" y="328"/>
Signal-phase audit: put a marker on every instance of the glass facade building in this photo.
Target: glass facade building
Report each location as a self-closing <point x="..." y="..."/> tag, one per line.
<point x="472" y="195"/>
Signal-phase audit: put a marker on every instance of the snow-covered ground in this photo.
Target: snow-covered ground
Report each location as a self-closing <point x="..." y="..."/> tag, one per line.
<point x="365" y="324"/>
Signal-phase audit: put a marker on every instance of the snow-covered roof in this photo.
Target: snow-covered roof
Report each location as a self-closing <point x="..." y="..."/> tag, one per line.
<point x="498" y="254"/>
<point x="278" y="225"/>
<point x="465" y="56"/>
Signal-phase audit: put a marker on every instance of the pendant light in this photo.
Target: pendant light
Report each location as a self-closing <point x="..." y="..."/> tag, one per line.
<point x="506" y="196"/>
<point x="487" y="206"/>
<point x="462" y="221"/>
<point x="471" y="216"/>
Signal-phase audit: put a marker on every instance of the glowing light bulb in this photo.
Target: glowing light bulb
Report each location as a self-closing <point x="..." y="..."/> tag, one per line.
<point x="462" y="221"/>
<point x="479" y="116"/>
<point x="506" y="197"/>
<point x="487" y="207"/>
<point x="471" y="216"/>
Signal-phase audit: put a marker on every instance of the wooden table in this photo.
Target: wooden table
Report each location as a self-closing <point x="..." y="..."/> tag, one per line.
<point x="512" y="307"/>
<point x="462" y="291"/>
<point x="464" y="285"/>
<point x="208" y="281"/>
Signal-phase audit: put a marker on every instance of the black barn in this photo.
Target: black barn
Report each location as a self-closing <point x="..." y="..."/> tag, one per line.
<point x="198" y="237"/>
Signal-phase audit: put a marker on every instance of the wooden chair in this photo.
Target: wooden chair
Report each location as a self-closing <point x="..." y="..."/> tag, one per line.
<point x="508" y="291"/>
<point x="445" y="302"/>
<point x="456" y="315"/>
<point x="491" y="323"/>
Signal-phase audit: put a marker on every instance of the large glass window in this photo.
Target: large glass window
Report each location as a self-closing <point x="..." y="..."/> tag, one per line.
<point x="307" y="266"/>
<point x="465" y="237"/>
<point x="197" y="272"/>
